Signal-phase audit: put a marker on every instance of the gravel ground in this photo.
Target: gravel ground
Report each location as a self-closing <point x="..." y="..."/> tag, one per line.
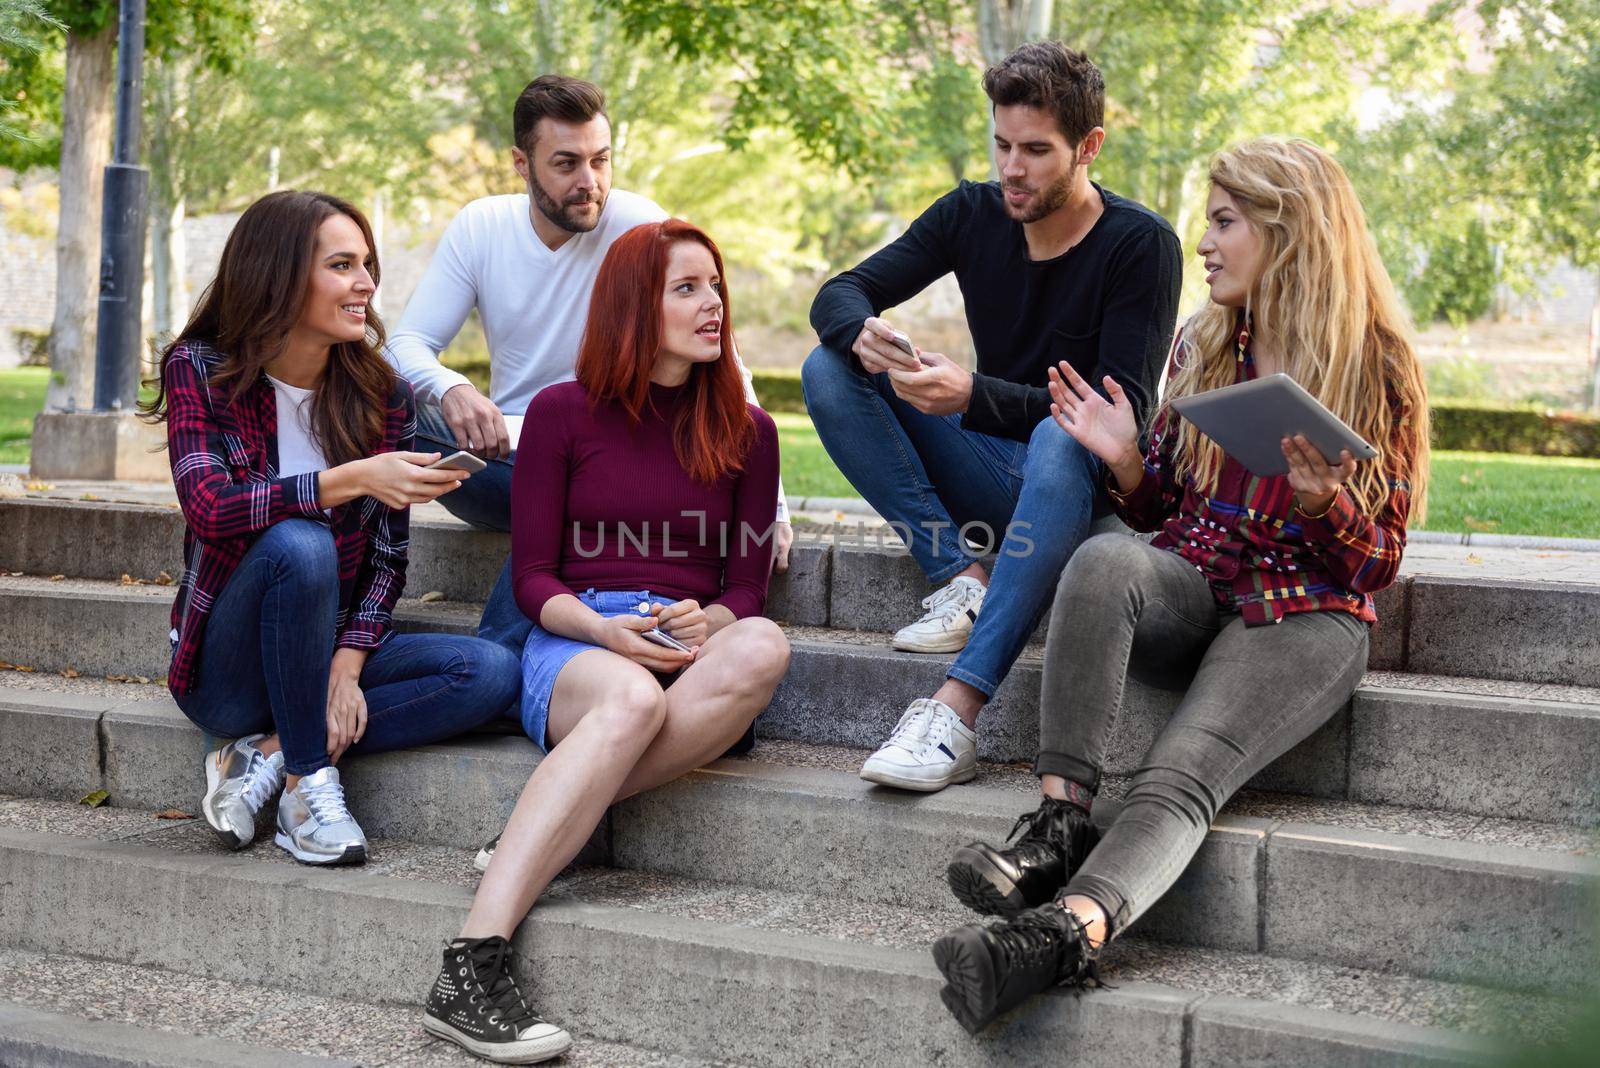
<point x="387" y="1036"/>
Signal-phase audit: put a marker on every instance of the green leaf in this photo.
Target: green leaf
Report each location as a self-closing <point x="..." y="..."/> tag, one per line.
<point x="95" y="799"/>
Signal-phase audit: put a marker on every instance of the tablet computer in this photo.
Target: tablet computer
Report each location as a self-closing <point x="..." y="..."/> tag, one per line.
<point x="1251" y="419"/>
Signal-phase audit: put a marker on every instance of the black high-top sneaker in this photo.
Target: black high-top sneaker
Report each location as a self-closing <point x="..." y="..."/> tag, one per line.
<point x="1049" y="844"/>
<point x="990" y="970"/>
<point x="476" y="1004"/>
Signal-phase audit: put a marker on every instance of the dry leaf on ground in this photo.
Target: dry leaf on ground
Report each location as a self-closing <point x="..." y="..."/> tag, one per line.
<point x="174" y="814"/>
<point x="57" y="578"/>
<point x="69" y="673"/>
<point x="431" y="596"/>
<point x="164" y="579"/>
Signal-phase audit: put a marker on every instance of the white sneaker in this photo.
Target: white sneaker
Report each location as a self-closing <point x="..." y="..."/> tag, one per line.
<point x="929" y="749"/>
<point x="947" y="622"/>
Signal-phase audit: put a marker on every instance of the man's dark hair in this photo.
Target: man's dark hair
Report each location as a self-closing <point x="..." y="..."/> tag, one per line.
<point x="553" y="96"/>
<point x="1053" y="77"/>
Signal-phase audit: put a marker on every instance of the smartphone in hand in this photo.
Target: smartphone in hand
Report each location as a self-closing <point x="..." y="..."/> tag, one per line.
<point x="662" y="638"/>
<point x="459" y="461"/>
<point x="902" y="342"/>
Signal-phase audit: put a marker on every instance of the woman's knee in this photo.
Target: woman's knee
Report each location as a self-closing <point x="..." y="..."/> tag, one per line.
<point x="764" y="647"/>
<point x="1104" y="567"/>
<point x="300" y="548"/>
<point x="634" y="707"/>
<point x="489" y="668"/>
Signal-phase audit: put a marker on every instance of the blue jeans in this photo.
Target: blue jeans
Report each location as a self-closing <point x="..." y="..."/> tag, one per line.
<point x="268" y="647"/>
<point x="484" y="501"/>
<point x="939" y="485"/>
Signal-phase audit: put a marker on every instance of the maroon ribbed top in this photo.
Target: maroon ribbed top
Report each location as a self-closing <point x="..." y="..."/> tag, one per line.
<point x="599" y="502"/>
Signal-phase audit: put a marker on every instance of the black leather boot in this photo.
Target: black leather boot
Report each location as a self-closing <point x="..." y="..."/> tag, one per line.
<point x="1049" y="844"/>
<point x="990" y="970"/>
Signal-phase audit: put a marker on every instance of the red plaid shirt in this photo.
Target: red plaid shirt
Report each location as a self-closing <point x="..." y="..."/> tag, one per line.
<point x="224" y="464"/>
<point x="1263" y="559"/>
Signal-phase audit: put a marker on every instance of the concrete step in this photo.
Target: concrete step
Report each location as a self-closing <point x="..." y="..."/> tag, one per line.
<point x="705" y="969"/>
<point x="1523" y="750"/>
<point x="58" y="1010"/>
<point x="1276" y="875"/>
<point x="1519" y="614"/>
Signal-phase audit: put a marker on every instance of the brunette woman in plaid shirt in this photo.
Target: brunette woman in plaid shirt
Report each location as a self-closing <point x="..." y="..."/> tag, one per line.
<point x="1255" y="596"/>
<point x="290" y="440"/>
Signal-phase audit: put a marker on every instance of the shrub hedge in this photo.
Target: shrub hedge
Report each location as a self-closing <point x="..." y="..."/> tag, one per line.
<point x="1457" y="426"/>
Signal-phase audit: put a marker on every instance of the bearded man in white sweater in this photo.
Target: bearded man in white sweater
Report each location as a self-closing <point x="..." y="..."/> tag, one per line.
<point x="528" y="263"/>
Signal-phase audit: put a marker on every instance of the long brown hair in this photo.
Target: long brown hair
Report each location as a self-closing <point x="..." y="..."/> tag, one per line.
<point x="1325" y="294"/>
<point x="248" y="310"/>
<point x="712" y="432"/>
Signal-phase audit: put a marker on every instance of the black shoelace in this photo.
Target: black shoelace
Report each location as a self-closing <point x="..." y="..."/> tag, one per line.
<point x="500" y="992"/>
<point x="1046" y="830"/>
<point x="1036" y="939"/>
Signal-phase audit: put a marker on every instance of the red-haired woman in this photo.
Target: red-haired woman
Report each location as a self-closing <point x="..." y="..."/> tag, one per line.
<point x="642" y="499"/>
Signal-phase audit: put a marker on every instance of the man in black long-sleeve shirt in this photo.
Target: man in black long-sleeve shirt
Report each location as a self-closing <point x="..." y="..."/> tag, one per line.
<point x="1051" y="267"/>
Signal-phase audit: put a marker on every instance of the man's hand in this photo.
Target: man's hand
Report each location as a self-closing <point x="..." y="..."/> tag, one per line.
<point x="940" y="388"/>
<point x="476" y="422"/>
<point x="876" y="350"/>
<point x="783" y="538"/>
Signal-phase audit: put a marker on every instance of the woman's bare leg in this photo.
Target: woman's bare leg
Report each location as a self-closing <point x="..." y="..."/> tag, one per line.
<point x="605" y="711"/>
<point x="727" y="686"/>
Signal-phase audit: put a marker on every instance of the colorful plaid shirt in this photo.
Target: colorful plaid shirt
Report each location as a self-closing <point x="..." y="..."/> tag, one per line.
<point x="1263" y="559"/>
<point x="224" y="464"/>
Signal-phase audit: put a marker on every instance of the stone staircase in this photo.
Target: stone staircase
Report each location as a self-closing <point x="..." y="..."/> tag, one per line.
<point x="1415" y="884"/>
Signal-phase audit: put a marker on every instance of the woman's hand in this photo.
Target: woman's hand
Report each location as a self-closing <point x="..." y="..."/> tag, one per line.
<point x="684" y="620"/>
<point x="623" y="636"/>
<point x="1315" y="482"/>
<point x="398" y="479"/>
<point x="1110" y="431"/>
<point x="347" y="705"/>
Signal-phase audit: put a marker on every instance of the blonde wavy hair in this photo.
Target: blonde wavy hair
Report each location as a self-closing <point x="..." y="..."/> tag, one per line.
<point x="1325" y="297"/>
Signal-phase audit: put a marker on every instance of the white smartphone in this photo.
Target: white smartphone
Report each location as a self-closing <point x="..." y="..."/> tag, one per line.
<point x="459" y="461"/>
<point x="661" y="637"/>
<point x="902" y="342"/>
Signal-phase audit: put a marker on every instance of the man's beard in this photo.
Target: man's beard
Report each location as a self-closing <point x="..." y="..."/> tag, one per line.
<point x="562" y="214"/>
<point x="1054" y="195"/>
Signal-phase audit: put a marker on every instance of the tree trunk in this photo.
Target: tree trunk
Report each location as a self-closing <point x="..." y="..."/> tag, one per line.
<point x="170" y="301"/>
<point x="1003" y="25"/>
<point x="379" y="223"/>
<point x="1594" y="351"/>
<point x="86" y="115"/>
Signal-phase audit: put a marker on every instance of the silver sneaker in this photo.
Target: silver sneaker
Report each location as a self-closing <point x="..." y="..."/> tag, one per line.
<point x="239" y="783"/>
<point x="315" y="827"/>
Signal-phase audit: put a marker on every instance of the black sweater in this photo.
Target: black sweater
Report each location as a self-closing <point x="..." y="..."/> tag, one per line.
<point x="1107" y="305"/>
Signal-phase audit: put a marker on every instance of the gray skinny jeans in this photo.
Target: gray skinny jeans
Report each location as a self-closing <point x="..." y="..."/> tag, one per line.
<point x="1252" y="694"/>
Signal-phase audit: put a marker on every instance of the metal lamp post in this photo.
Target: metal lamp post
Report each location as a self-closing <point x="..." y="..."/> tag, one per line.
<point x="121" y="326"/>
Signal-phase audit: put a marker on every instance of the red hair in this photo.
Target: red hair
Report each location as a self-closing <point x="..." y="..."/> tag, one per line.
<point x="712" y="431"/>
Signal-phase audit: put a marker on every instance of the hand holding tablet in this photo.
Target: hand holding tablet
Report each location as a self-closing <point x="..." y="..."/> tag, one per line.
<point x="1253" y="420"/>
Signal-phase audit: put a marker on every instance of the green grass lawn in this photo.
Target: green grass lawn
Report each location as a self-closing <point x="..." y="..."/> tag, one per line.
<point x="21" y="397"/>
<point x="1496" y="493"/>
<point x="1485" y="492"/>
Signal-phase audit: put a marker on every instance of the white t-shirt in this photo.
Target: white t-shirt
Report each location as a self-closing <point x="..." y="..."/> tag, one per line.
<point x="297" y="449"/>
<point x="533" y="301"/>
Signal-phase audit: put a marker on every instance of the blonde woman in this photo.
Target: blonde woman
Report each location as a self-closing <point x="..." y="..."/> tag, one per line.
<point x="1255" y="596"/>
